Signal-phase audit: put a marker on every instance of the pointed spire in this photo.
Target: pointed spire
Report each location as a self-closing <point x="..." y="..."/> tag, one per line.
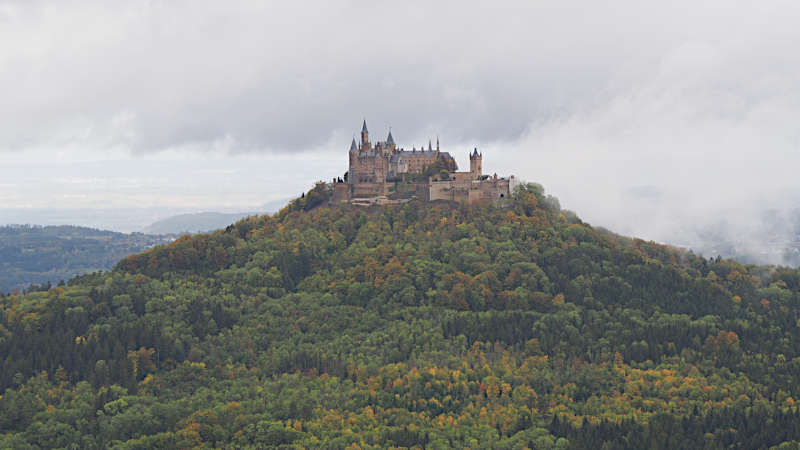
<point x="437" y="143"/>
<point x="430" y="147"/>
<point x="390" y="139"/>
<point x="353" y="147"/>
<point x="365" y="145"/>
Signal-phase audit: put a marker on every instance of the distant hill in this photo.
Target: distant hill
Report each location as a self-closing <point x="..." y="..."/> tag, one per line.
<point x="195" y="223"/>
<point x="32" y="254"/>
<point x="204" y="222"/>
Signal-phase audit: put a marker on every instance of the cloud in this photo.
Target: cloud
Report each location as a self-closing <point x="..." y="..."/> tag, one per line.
<point x="699" y="151"/>
<point x="149" y="76"/>
<point x="652" y="118"/>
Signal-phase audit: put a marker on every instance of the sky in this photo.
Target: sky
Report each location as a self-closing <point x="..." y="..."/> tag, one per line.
<point x="647" y="118"/>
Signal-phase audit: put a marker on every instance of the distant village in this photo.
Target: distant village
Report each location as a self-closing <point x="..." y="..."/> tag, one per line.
<point x="383" y="173"/>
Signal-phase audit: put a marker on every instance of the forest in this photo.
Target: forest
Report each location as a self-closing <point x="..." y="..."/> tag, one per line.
<point x="45" y="255"/>
<point x="422" y="325"/>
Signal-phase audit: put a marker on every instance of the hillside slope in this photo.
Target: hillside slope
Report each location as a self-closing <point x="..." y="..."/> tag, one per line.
<point x="38" y="255"/>
<point x="426" y="325"/>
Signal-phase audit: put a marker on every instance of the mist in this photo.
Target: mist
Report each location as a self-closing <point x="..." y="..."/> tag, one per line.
<point x="672" y="121"/>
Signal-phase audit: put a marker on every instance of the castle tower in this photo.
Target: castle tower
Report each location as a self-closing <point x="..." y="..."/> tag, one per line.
<point x="364" y="137"/>
<point x="476" y="164"/>
<point x="353" y="158"/>
<point x="390" y="141"/>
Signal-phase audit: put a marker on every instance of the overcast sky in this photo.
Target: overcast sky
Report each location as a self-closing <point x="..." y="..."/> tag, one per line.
<point x="645" y="117"/>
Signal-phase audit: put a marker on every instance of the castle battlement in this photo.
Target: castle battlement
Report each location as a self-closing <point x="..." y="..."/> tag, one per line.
<point x="382" y="170"/>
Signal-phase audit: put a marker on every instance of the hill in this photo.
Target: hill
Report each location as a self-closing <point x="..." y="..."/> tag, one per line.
<point x="47" y="255"/>
<point x="423" y="325"/>
<point x="194" y="223"/>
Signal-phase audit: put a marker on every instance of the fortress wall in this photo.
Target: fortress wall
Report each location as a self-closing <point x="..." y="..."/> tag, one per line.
<point x="513" y="182"/>
<point x="490" y="191"/>
<point x="449" y="190"/>
<point x="481" y="195"/>
<point x="462" y="177"/>
<point x="341" y="192"/>
<point x="423" y="192"/>
<point x="369" y="189"/>
<point x="467" y="190"/>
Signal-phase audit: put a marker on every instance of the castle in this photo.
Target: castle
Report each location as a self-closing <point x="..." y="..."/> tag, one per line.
<point x="384" y="173"/>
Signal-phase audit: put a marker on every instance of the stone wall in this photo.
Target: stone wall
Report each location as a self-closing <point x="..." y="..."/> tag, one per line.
<point x="463" y="189"/>
<point x="495" y="191"/>
<point x="341" y="192"/>
<point x="455" y="191"/>
<point x="423" y="191"/>
<point x="464" y="178"/>
<point x="369" y="189"/>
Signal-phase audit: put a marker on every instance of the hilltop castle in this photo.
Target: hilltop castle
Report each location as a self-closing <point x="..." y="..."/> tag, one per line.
<point x="385" y="173"/>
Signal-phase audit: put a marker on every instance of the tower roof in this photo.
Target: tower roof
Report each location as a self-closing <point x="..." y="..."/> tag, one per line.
<point x="390" y="139"/>
<point x="353" y="147"/>
<point x="364" y="127"/>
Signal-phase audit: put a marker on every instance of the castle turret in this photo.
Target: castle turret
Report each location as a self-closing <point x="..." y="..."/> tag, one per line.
<point x="390" y="141"/>
<point x="352" y="161"/>
<point x="476" y="164"/>
<point x="364" y="137"/>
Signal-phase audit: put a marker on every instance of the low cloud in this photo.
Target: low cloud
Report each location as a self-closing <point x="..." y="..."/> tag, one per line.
<point x="253" y="76"/>
<point x="651" y="119"/>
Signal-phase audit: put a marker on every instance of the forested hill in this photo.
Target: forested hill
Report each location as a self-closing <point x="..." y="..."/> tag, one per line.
<point x="415" y="326"/>
<point x="41" y="255"/>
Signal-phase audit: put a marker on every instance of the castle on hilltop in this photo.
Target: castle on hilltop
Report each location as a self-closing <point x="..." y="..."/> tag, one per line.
<point x="384" y="173"/>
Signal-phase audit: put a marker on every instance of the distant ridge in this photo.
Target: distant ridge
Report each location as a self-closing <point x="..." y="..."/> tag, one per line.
<point x="33" y="254"/>
<point x="201" y="222"/>
<point x="207" y="221"/>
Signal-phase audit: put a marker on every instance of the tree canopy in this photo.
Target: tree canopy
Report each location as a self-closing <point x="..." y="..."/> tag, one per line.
<point x="422" y="325"/>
